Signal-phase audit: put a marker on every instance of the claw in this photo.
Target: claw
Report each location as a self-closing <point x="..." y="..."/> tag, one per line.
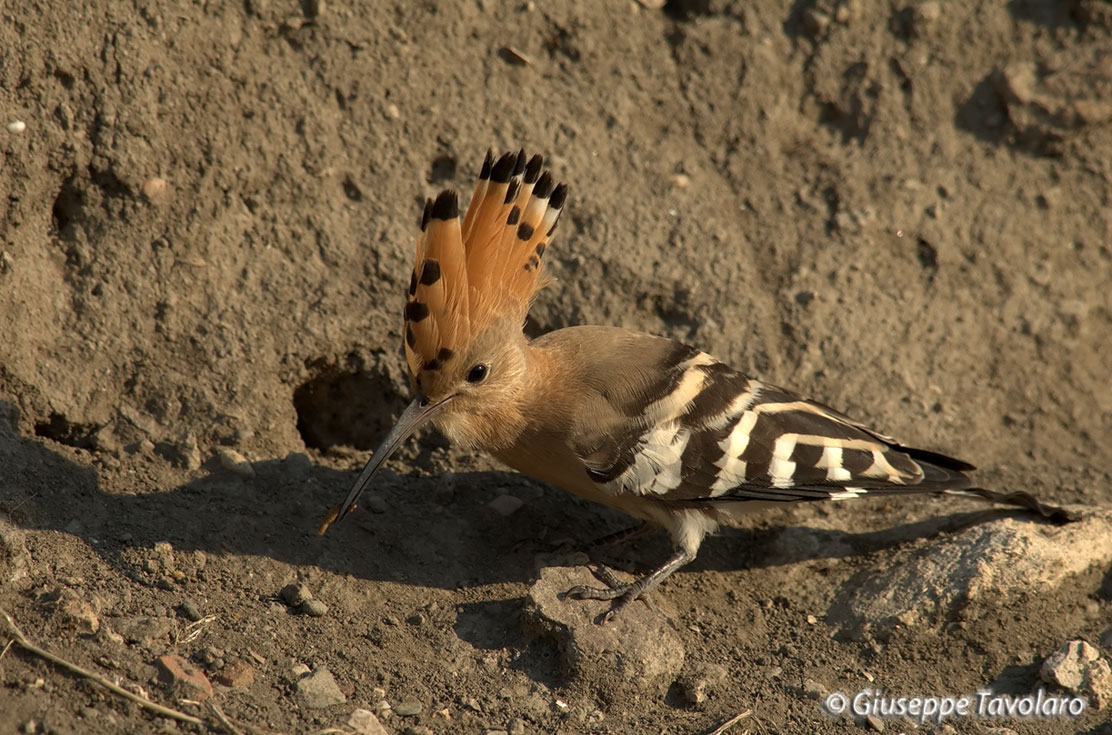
<point x="624" y="593"/>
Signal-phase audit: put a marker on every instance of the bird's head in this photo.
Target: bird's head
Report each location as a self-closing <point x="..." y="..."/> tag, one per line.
<point x="472" y="284"/>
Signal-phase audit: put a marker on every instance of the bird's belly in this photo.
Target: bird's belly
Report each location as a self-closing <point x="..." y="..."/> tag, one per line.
<point x="563" y="469"/>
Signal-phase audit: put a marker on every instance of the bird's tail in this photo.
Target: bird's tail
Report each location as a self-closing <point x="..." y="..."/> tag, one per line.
<point x="946" y="475"/>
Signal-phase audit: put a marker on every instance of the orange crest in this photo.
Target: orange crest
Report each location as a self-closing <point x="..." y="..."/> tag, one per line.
<point x="469" y="275"/>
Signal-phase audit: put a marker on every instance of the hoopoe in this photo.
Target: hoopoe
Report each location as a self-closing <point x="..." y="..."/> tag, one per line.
<point x="644" y="424"/>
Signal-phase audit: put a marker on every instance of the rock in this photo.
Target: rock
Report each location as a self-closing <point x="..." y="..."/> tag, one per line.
<point x="237" y="676"/>
<point x="186" y="453"/>
<point x="319" y="689"/>
<point x="154" y="187"/>
<point x="190" y="610"/>
<point x="295" y="670"/>
<point x="516" y="726"/>
<point x="1106" y="640"/>
<point x="72" y="611"/>
<point x="364" y="722"/>
<point x="164" y="553"/>
<point x="408" y="708"/>
<point x="815" y="22"/>
<point x="636" y="652"/>
<point x="505" y="505"/>
<point x="144" y="630"/>
<point x="1079" y="668"/>
<point x="104" y="440"/>
<point x="981" y="565"/>
<point x="814" y="690"/>
<point x="1060" y="96"/>
<point x="232" y="461"/>
<point x="314" y="608"/>
<point x="15" y="560"/>
<point x="184" y="680"/>
<point x="295" y="594"/>
<point x="694" y="683"/>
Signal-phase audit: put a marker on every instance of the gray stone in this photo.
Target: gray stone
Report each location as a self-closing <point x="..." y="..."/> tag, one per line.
<point x="408" y="708"/>
<point x="314" y="608"/>
<point x="72" y="610"/>
<point x="232" y="461"/>
<point x="186" y="453"/>
<point x="319" y="689"/>
<point x="145" y="630"/>
<point x="295" y="594"/>
<point x="638" y="652"/>
<point x="1079" y="668"/>
<point x="982" y="565"/>
<point x="694" y="683"/>
<point x="190" y="610"/>
<point x="364" y="722"/>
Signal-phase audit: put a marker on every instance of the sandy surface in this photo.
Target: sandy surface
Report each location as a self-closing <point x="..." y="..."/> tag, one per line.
<point x="206" y="225"/>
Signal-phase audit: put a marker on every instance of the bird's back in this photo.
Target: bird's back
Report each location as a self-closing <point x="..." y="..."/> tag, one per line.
<point x="630" y="418"/>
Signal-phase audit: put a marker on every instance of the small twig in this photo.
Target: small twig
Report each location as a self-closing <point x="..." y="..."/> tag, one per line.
<point x="190" y="632"/>
<point x="24" y="643"/>
<point x="223" y="719"/>
<point x="730" y="723"/>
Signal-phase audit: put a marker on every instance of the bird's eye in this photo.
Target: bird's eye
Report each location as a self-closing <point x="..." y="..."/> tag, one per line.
<point x="476" y="374"/>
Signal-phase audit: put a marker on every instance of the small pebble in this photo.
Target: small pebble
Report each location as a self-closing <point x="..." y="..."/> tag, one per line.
<point x="417" y="730"/>
<point x="375" y="504"/>
<point x="815" y="22"/>
<point x="234" y="462"/>
<point x="505" y="505"/>
<point x="364" y="722"/>
<point x="875" y="723"/>
<point x="392" y="111"/>
<point x="516" y="727"/>
<point x="237" y="676"/>
<point x="154" y="187"/>
<point x="190" y="610"/>
<point x="408" y="708"/>
<point x="16" y="127"/>
<point x="314" y="608"/>
<point x="813" y="689"/>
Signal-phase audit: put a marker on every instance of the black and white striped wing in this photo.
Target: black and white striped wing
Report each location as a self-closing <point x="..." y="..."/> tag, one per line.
<point x="708" y="433"/>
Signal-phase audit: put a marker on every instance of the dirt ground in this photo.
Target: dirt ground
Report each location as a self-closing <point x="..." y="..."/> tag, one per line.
<point x="207" y="216"/>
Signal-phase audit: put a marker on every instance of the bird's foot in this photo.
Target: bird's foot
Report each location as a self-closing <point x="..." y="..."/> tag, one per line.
<point x="622" y="593"/>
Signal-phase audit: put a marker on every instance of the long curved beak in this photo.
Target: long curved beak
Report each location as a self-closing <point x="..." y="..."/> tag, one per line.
<point x="413" y="417"/>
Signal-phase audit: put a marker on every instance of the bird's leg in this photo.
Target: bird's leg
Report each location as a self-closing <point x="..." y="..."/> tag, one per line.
<point x="624" y="593"/>
<point x="626" y="534"/>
